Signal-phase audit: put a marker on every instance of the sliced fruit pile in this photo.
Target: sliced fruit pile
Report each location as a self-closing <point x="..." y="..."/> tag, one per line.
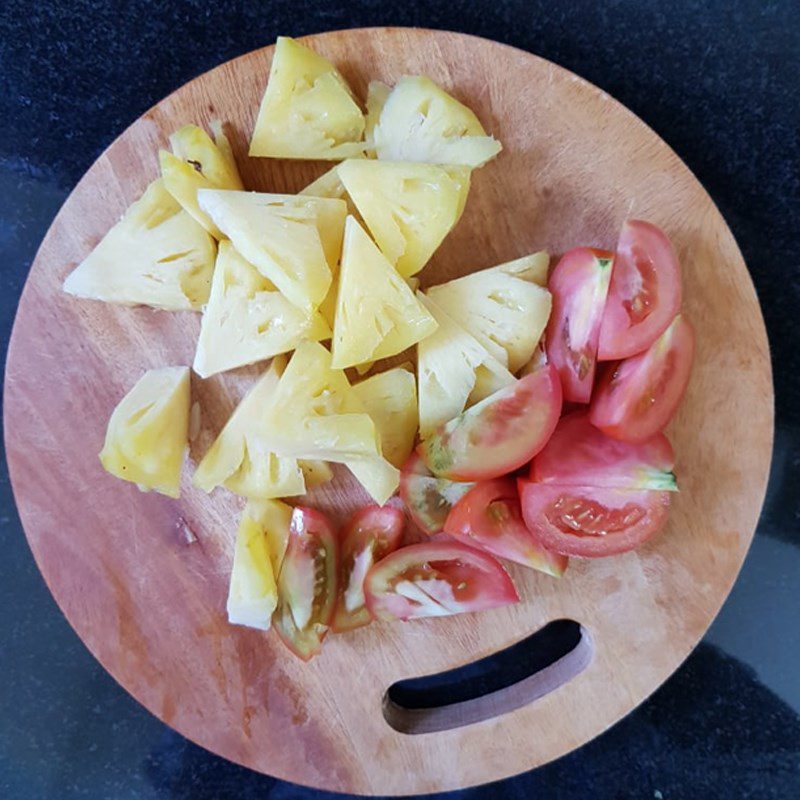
<point x="470" y="430"/>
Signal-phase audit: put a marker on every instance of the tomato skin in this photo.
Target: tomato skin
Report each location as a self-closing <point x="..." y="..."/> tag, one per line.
<point x="579" y="285"/>
<point x="428" y="499"/>
<point x="499" y="434"/>
<point x="579" y="454"/>
<point x="442" y="577"/>
<point x="369" y="535"/>
<point x="489" y="517"/>
<point x="592" y="522"/>
<point x="645" y="291"/>
<point x="307" y="583"/>
<point x="636" y="398"/>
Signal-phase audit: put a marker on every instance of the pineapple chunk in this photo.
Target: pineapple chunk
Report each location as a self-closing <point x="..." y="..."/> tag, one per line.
<point x="156" y="255"/>
<point x="421" y="122"/>
<point x="291" y="240"/>
<point x="390" y="398"/>
<point x="408" y="208"/>
<point x="377" y="94"/>
<point x="148" y="431"/>
<point x="197" y="162"/>
<point x="377" y="314"/>
<point x="501" y="307"/>
<point x="260" y="544"/>
<point x="247" y="319"/>
<point x="315" y="414"/>
<point x="454" y="371"/>
<point x="240" y="458"/>
<point x="308" y="110"/>
<point x="330" y="185"/>
<point x="316" y="473"/>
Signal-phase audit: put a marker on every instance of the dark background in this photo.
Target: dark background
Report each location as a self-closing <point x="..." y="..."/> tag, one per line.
<point x="718" y="80"/>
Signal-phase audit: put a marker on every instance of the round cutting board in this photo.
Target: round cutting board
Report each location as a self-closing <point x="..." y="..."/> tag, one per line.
<point x="143" y="579"/>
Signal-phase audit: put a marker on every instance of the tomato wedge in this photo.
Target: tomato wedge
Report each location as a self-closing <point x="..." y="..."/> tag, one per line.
<point x="489" y="517"/>
<point x="499" y="434"/>
<point x="578" y="454"/>
<point x="428" y="499"/>
<point x="591" y="522"/>
<point x="645" y="291"/>
<point x="437" y="579"/>
<point x="369" y="535"/>
<point x="307" y="583"/>
<point x="579" y="285"/>
<point x="636" y="398"/>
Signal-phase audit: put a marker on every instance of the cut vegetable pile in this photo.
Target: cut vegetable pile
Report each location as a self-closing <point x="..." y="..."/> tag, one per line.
<point x="527" y="425"/>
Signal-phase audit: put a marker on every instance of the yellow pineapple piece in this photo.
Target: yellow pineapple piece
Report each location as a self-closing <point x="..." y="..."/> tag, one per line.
<point x="247" y="319"/>
<point x="315" y="414"/>
<point x="390" y="398"/>
<point x="408" y="208"/>
<point x="241" y="460"/>
<point x="502" y="307"/>
<point x="454" y="371"/>
<point x="330" y="185"/>
<point x="377" y="314"/>
<point x="421" y="122"/>
<point x="377" y="94"/>
<point x="257" y="556"/>
<point x="290" y="239"/>
<point x="148" y="431"/>
<point x="156" y="255"/>
<point x="316" y="473"/>
<point x="197" y="162"/>
<point x="308" y="110"/>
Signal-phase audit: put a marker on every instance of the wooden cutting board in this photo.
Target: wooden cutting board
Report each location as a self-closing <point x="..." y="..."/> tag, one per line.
<point x="149" y="602"/>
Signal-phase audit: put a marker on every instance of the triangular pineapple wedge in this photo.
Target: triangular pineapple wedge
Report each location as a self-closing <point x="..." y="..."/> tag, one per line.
<point x="148" y="431"/>
<point x="292" y="240"/>
<point x="240" y="458"/>
<point x="377" y="94"/>
<point x="308" y="110"/>
<point x="197" y="162"/>
<point x="247" y="319"/>
<point x="408" y="208"/>
<point x="330" y="185"/>
<point x="315" y="414"/>
<point x="421" y="122"/>
<point x="390" y="398"/>
<point x="454" y="370"/>
<point x="156" y="255"/>
<point x="377" y="314"/>
<point x="257" y="556"/>
<point x="501" y="307"/>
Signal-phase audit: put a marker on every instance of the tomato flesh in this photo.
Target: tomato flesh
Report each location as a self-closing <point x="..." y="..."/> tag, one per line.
<point x="428" y="499"/>
<point x="636" y="398"/>
<point x="437" y="579"/>
<point x="591" y="521"/>
<point x="489" y="517"/>
<point x="307" y="583"/>
<point x="369" y="535"/>
<point x="579" y="454"/>
<point x="499" y="434"/>
<point x="645" y="292"/>
<point x="579" y="285"/>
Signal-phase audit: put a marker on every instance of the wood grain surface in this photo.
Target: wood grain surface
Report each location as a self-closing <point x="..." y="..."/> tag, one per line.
<point x="151" y="606"/>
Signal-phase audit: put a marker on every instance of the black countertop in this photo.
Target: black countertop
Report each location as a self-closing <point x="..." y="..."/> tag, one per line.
<point x="719" y="80"/>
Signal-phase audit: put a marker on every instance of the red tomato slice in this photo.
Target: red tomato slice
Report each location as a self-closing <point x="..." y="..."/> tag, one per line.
<point x="489" y="517"/>
<point x="578" y="454"/>
<point x="591" y="522"/>
<point x="579" y="285"/>
<point x="307" y="583"/>
<point x="437" y="579"/>
<point x="636" y="398"/>
<point x="369" y="535"/>
<point x="499" y="434"/>
<point x="645" y="292"/>
<point x="428" y="499"/>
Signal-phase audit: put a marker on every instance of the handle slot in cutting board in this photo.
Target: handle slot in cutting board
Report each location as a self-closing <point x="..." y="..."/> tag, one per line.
<point x="495" y="685"/>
